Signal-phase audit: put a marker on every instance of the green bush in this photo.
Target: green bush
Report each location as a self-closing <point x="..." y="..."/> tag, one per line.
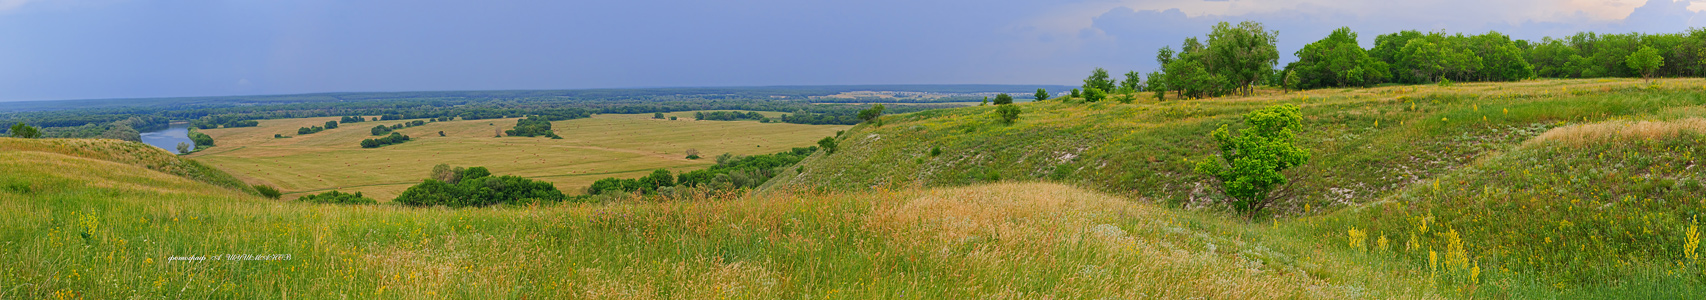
<point x="1250" y="163"/>
<point x="268" y="191"/>
<point x="476" y="187"/>
<point x="336" y="197"/>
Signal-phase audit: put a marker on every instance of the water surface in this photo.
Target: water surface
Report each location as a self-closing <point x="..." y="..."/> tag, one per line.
<point x="170" y="137"/>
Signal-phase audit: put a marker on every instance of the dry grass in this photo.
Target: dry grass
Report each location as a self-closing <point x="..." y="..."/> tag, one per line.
<point x="1587" y="134"/>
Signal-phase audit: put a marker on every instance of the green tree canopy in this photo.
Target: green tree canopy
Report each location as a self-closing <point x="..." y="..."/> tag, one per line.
<point x="1003" y="99"/>
<point x="1241" y="54"/>
<point x="1042" y="95"/>
<point x="1335" y="61"/>
<point x="1099" y="80"/>
<point x="1249" y="164"/>
<point x="1645" y="61"/>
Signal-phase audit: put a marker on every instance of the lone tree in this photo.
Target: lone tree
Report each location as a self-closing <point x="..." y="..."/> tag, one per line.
<point x="1647" y="61"/>
<point x="1094" y="94"/>
<point x="183" y="148"/>
<point x="25" y="131"/>
<point x="827" y="144"/>
<point x="871" y="114"/>
<point x="1075" y="93"/>
<point x="1042" y="95"/>
<point x="1003" y="99"/>
<point x="1099" y="80"/>
<point x="1008" y="113"/>
<point x="1249" y="167"/>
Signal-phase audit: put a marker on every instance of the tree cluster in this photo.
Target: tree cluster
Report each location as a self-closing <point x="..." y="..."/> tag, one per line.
<point x="394" y="138"/>
<point x="533" y="126"/>
<point x="1233" y="60"/>
<point x="476" y="186"/>
<point x="730" y="172"/>
<point x="309" y="130"/>
<point x="336" y="197"/>
<point x="202" y="141"/>
<point x="727" y="116"/>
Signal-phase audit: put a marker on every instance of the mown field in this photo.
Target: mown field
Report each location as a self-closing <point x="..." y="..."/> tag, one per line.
<point x="611" y="145"/>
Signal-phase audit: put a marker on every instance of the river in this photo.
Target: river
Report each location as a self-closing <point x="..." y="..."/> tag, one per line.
<point x="170" y="137"/>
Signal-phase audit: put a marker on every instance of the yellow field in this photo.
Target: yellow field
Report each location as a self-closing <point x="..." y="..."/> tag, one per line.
<point x="609" y="145"/>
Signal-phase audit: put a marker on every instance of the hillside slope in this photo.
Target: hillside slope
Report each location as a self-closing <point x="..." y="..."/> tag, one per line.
<point x="129" y="153"/>
<point x="1366" y="142"/>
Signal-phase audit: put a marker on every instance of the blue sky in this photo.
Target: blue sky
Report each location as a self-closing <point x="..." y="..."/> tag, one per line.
<point x="81" y="49"/>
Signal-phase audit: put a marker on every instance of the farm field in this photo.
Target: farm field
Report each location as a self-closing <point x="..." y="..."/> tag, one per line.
<point x="609" y="145"/>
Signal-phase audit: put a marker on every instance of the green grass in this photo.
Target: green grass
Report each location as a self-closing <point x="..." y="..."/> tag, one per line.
<point x="1556" y="189"/>
<point x="87" y="228"/>
<point x="593" y="148"/>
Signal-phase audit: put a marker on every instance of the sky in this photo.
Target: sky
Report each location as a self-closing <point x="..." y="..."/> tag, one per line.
<point x="91" y="49"/>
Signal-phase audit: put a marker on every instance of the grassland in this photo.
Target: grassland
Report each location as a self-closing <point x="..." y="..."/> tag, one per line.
<point x="79" y="233"/>
<point x="591" y="149"/>
<point x="1557" y="189"/>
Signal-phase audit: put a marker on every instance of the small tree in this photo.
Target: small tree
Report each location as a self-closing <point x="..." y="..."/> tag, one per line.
<point x="985" y="101"/>
<point x="1647" y="61"/>
<point x="1094" y="94"/>
<point x="1008" y="113"/>
<point x="331" y="124"/>
<point x="657" y="115"/>
<point x="660" y="178"/>
<point x="1042" y="95"/>
<point x="1291" y="81"/>
<point x="872" y="113"/>
<point x="1249" y="167"/>
<point x="1099" y="80"/>
<point x="827" y="144"/>
<point x="25" y="131"/>
<point x="692" y="153"/>
<point x="184" y="148"/>
<point x="1075" y="93"/>
<point x="1003" y="99"/>
<point x="1133" y="81"/>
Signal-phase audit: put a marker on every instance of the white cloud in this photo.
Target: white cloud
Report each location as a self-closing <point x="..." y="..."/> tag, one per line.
<point x="6" y="5"/>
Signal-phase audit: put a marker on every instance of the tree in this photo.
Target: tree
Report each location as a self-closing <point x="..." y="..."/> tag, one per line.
<point x="1335" y="61"/>
<point x="657" y="115"/>
<point x="1250" y="163"/>
<point x="1158" y="84"/>
<point x="331" y="124"/>
<point x="985" y="101"/>
<point x="871" y="114"/>
<point x="827" y="144"/>
<point x="1241" y="54"/>
<point x="1041" y="95"/>
<point x="1133" y="82"/>
<point x="660" y="178"/>
<point x="1008" y="113"/>
<point x="184" y="148"/>
<point x="1003" y="99"/>
<point x="1099" y="80"/>
<point x="443" y="172"/>
<point x="1645" y="61"/>
<point x="25" y="131"/>
<point x="1291" y="80"/>
<point x="1075" y="94"/>
<point x="1094" y="94"/>
<point x="692" y="153"/>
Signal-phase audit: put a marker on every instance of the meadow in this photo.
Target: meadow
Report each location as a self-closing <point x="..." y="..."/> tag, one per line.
<point x="1547" y="189"/>
<point x="606" y="145"/>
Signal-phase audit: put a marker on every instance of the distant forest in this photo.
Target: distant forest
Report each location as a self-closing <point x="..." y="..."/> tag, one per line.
<point x="94" y="118"/>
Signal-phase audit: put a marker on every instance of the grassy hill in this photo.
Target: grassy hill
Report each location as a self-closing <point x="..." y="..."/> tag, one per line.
<point x="1555" y="188"/>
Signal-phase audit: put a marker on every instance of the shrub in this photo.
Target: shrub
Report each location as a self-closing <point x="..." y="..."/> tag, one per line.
<point x="336" y="197"/>
<point x="827" y="144"/>
<point x="1003" y="99"/>
<point x="268" y="191"/>
<point x="478" y="188"/>
<point x="1249" y="166"/>
<point x="1008" y="113"/>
